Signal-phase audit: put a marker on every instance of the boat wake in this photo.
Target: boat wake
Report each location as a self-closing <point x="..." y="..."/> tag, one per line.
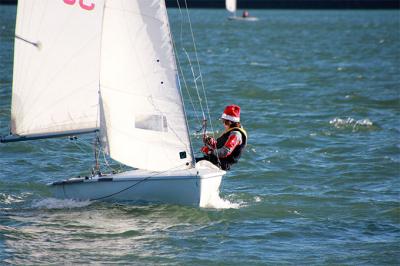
<point x="53" y="203"/>
<point x="216" y="202"/>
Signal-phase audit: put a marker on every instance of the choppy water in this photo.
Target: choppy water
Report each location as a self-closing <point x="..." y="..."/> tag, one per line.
<point x="319" y="183"/>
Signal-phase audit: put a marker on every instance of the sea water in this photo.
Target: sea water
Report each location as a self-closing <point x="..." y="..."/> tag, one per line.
<point x="318" y="183"/>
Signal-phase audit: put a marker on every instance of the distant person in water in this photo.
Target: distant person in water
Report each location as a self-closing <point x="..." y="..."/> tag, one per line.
<point x="227" y="149"/>
<point x="245" y="14"/>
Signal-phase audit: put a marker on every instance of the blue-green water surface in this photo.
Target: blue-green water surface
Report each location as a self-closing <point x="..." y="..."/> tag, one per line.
<point x="317" y="185"/>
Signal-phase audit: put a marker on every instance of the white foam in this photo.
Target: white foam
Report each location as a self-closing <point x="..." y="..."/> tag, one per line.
<point x="350" y="122"/>
<point x="364" y="122"/>
<point x="257" y="199"/>
<point x="337" y="122"/>
<point x="9" y="199"/>
<point x="259" y="64"/>
<point x="216" y="202"/>
<point x="52" y="203"/>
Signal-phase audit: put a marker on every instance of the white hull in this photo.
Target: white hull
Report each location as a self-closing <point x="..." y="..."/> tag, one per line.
<point x="196" y="186"/>
<point x="243" y="19"/>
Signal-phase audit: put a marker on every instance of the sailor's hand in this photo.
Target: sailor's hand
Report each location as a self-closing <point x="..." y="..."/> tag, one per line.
<point x="206" y="150"/>
<point x="210" y="142"/>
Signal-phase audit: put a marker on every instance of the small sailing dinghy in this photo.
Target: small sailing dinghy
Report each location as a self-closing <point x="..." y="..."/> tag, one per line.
<point x="108" y="67"/>
<point x="230" y="5"/>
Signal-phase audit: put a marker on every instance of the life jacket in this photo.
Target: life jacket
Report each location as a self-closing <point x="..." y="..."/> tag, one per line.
<point x="225" y="163"/>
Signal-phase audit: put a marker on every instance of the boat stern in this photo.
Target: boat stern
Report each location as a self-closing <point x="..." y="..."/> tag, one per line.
<point x="210" y="177"/>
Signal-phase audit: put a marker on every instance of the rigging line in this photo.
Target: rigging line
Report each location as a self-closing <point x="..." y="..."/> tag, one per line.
<point x="195" y="83"/>
<point x="201" y="81"/>
<point x="181" y="32"/>
<point x="86" y="143"/>
<point x="120" y="165"/>
<point x="198" y="65"/>
<point x="101" y="150"/>
<point x="194" y="46"/>
<point x="190" y="63"/>
<point x="184" y="81"/>
<point x="190" y="148"/>
<point x="96" y="145"/>
<point x="135" y="184"/>
<point x="106" y="161"/>
<point x="178" y="63"/>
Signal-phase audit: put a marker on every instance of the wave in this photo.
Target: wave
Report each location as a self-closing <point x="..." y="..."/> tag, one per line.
<point x="216" y="202"/>
<point x="53" y="203"/>
<point x="260" y="64"/>
<point x="351" y="123"/>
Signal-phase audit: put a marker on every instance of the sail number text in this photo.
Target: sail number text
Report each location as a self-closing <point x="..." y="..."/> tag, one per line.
<point x="81" y="4"/>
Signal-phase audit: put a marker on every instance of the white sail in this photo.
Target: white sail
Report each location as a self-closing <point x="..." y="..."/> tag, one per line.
<point x="143" y="124"/>
<point x="230" y="5"/>
<point x="56" y="66"/>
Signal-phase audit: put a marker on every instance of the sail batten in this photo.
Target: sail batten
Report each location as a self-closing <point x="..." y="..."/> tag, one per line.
<point x="143" y="123"/>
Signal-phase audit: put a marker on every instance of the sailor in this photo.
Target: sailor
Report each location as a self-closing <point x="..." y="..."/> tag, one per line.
<point x="227" y="149"/>
<point x="245" y="14"/>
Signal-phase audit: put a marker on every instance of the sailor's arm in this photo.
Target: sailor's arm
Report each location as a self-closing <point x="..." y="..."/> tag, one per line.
<point x="234" y="139"/>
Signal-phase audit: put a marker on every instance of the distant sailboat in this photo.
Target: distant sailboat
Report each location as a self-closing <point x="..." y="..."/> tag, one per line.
<point x="108" y="66"/>
<point x="230" y="5"/>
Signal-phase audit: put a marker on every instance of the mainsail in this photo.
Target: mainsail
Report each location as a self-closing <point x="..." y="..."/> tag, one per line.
<point x="56" y="66"/>
<point x="230" y="5"/>
<point x="143" y="123"/>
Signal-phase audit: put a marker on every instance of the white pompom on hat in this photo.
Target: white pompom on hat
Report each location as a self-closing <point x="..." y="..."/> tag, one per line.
<point x="231" y="113"/>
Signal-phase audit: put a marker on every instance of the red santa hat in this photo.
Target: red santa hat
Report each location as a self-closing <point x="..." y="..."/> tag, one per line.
<point x="231" y="113"/>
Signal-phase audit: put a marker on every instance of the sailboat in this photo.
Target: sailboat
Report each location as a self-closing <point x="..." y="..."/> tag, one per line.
<point x="230" y="5"/>
<point x="108" y="68"/>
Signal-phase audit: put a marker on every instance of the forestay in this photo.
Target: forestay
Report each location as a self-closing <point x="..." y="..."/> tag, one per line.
<point x="143" y="124"/>
<point x="56" y="66"/>
<point x="230" y="5"/>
